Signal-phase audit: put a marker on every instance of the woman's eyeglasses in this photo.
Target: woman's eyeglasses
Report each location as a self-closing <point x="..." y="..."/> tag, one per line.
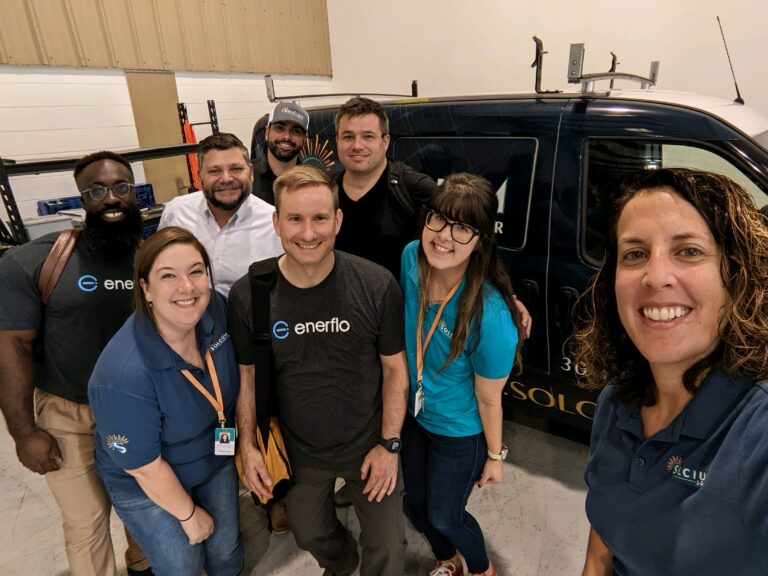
<point x="460" y="232"/>
<point x="98" y="193"/>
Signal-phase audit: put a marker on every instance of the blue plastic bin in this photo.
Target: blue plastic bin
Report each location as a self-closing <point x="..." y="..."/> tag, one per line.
<point x="53" y="205"/>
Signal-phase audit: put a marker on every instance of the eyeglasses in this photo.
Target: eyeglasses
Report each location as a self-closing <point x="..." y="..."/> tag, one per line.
<point x="460" y="232"/>
<point x="98" y="193"/>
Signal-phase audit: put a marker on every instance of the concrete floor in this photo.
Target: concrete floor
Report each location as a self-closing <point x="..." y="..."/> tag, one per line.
<point x="534" y="522"/>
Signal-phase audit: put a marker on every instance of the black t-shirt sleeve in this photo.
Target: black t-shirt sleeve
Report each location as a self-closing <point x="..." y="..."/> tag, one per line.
<point x="239" y="321"/>
<point x="20" y="306"/>
<point x="391" y="319"/>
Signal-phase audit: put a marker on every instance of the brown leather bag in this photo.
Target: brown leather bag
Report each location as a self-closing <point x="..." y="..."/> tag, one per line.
<point x="54" y="263"/>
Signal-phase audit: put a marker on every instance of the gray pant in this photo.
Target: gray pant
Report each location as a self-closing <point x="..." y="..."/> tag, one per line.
<point x="313" y="520"/>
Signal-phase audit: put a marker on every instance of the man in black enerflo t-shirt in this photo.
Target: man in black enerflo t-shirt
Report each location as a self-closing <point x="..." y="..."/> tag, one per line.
<point x="48" y="351"/>
<point x="341" y="380"/>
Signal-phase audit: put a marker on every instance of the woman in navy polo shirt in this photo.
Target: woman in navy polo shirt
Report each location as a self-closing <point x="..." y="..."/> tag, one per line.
<point x="163" y="394"/>
<point x="461" y="341"/>
<point x="677" y="339"/>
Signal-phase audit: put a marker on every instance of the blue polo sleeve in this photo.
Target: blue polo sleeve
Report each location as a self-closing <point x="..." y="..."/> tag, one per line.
<point x="494" y="355"/>
<point x="753" y="470"/>
<point x="126" y="411"/>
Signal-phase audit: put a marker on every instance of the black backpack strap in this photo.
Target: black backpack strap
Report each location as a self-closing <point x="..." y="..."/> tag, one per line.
<point x="262" y="276"/>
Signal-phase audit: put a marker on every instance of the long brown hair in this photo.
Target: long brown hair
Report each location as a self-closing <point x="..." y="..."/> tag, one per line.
<point x="150" y="249"/>
<point x="603" y="347"/>
<point x="470" y="199"/>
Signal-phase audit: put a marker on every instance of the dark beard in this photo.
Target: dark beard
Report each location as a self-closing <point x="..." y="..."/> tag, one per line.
<point x="114" y="239"/>
<point x="210" y="196"/>
<point x="280" y="155"/>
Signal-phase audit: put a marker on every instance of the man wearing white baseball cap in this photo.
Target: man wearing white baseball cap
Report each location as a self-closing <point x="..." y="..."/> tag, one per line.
<point x="284" y="137"/>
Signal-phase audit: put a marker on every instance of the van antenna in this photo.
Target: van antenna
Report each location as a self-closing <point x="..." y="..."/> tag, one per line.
<point x="739" y="99"/>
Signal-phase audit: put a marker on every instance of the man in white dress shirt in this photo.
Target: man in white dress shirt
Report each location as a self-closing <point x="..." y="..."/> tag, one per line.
<point x="234" y="225"/>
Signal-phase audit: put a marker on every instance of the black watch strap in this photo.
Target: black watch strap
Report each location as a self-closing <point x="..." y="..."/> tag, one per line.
<point x="393" y="445"/>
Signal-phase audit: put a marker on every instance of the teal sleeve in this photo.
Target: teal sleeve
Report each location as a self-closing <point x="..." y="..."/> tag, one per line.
<point x="494" y="355"/>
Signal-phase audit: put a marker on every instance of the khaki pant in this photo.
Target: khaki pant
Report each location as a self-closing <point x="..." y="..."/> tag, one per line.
<point x="83" y="502"/>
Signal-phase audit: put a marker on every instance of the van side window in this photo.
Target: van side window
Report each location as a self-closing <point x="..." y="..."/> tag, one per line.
<point x="611" y="161"/>
<point x="508" y="163"/>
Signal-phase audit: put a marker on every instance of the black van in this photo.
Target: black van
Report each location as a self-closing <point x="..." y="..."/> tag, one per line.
<point x="556" y="159"/>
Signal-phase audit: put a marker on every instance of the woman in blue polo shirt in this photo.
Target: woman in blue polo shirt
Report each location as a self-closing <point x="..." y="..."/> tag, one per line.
<point x="677" y="339"/>
<point x="461" y="341"/>
<point x="163" y="394"/>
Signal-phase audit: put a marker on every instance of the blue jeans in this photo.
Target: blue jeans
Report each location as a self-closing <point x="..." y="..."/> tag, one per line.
<point x="164" y="541"/>
<point x="439" y="473"/>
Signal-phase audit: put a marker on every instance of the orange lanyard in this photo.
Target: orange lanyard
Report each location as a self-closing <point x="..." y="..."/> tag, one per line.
<point x="218" y="402"/>
<point x="422" y="347"/>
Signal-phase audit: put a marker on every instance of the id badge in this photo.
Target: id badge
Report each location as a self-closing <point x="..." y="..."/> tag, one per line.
<point x="418" y="404"/>
<point x="224" y="442"/>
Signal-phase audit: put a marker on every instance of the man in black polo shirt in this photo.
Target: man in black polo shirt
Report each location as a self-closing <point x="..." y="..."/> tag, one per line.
<point x="48" y="350"/>
<point x="284" y="137"/>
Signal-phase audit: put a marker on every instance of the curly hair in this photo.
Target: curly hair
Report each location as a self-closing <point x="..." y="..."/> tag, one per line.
<point x="602" y="345"/>
<point x="470" y="199"/>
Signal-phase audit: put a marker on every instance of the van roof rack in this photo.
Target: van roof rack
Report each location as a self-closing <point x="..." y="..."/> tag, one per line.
<point x="538" y="63"/>
<point x="273" y="97"/>
<point x="576" y="74"/>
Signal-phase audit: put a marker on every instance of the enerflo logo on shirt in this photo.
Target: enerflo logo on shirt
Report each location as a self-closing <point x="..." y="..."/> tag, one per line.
<point x="691" y="476"/>
<point x="89" y="283"/>
<point x="281" y="329"/>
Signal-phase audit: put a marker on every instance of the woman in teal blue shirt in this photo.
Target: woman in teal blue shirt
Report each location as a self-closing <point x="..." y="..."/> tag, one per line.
<point x="461" y="341"/>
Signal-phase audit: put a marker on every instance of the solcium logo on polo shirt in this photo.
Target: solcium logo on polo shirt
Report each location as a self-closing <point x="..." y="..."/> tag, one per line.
<point x="89" y="283"/>
<point x="680" y="472"/>
<point x="117" y="442"/>
<point x="281" y="329"/>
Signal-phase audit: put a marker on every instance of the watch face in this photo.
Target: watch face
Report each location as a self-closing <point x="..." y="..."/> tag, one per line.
<point x="504" y="452"/>
<point x="394" y="445"/>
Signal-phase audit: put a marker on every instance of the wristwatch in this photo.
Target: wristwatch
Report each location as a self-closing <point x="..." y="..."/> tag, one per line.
<point x="501" y="455"/>
<point x="393" y="445"/>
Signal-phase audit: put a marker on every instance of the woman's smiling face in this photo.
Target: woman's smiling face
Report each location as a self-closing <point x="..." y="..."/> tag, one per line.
<point x="669" y="289"/>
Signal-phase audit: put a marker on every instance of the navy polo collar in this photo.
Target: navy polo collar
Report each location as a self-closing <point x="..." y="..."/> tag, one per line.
<point x="715" y="397"/>
<point x="157" y="353"/>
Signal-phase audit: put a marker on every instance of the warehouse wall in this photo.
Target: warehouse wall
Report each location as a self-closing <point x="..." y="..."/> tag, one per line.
<point x="457" y="47"/>
<point x="450" y="46"/>
<point x="61" y="112"/>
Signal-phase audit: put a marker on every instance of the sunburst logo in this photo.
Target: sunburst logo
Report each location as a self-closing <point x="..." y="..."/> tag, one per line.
<point x="692" y="476"/>
<point x="674" y="461"/>
<point x="117" y="442"/>
<point x="317" y="153"/>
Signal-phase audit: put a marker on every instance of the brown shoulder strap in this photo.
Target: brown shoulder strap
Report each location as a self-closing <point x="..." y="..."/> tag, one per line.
<point x="55" y="261"/>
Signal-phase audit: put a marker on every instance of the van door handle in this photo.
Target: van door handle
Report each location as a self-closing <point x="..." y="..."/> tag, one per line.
<point x="529" y="295"/>
<point x="568" y="298"/>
